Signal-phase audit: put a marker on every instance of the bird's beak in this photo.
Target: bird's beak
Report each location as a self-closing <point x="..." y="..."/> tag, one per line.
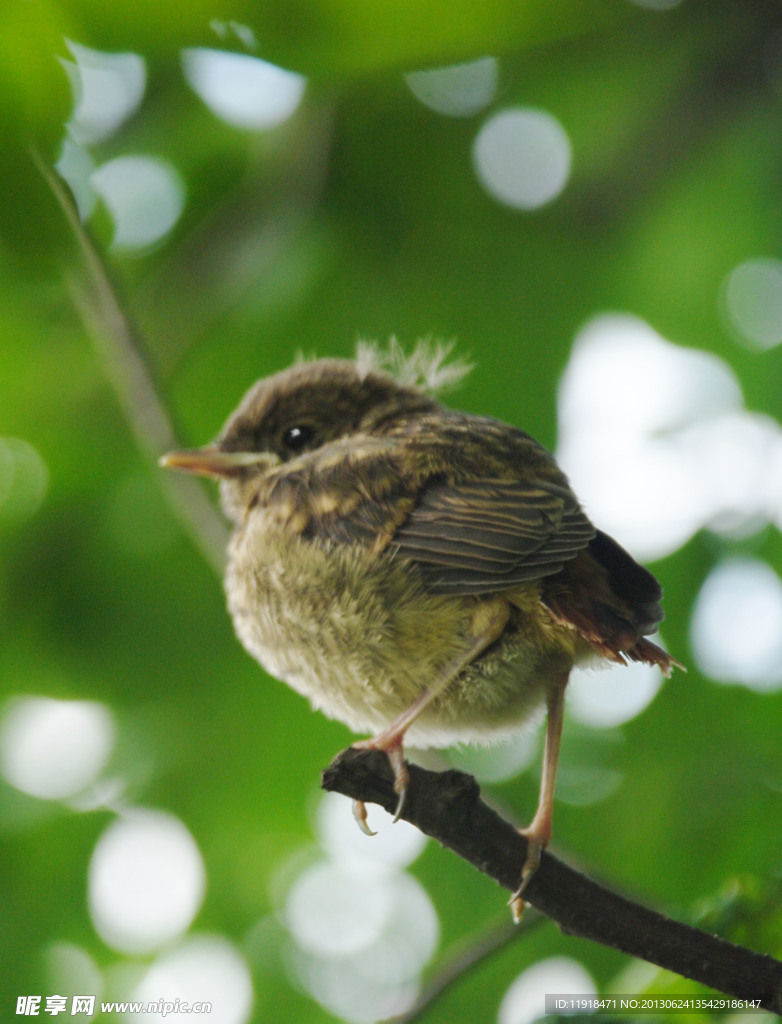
<point x="212" y="461"/>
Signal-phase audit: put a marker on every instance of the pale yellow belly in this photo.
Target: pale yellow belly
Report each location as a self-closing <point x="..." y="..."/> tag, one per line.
<point x="359" y="637"/>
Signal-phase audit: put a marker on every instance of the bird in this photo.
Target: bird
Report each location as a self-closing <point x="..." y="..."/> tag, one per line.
<point x="424" y="575"/>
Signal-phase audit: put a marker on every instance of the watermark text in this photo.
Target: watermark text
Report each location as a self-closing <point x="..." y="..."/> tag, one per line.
<point x="72" y="1006"/>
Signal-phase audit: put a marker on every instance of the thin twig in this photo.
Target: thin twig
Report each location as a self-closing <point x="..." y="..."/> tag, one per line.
<point x="447" y="806"/>
<point x="118" y="345"/>
<point x="465" y="956"/>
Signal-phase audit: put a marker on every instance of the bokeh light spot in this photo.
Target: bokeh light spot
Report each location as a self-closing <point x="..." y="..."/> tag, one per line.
<point x="54" y="749"/>
<point x="396" y="844"/>
<point x="361" y="928"/>
<point x="525" y="999"/>
<point x="612" y="694"/>
<point x="363" y="938"/>
<point x="586" y="774"/>
<point x="76" y="166"/>
<point x="24" y="479"/>
<point x="204" y="968"/>
<point x="656" y="442"/>
<point x="108" y="89"/>
<point x="500" y="761"/>
<point x="753" y="300"/>
<point x="351" y="996"/>
<point x="145" y="197"/>
<point x="737" y="625"/>
<point x="522" y="157"/>
<point x="335" y="910"/>
<point x="244" y="91"/>
<point x="673" y="385"/>
<point x="586" y="783"/>
<point x="146" y="881"/>
<point x="70" y="970"/>
<point x="225" y="30"/>
<point x="459" y="90"/>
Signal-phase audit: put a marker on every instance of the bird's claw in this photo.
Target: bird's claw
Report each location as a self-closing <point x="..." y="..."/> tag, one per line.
<point x="360" y="814"/>
<point x="516" y="904"/>
<point x="362" y="819"/>
<point x="393" y="750"/>
<point x="531" y="865"/>
<point x="400" y="804"/>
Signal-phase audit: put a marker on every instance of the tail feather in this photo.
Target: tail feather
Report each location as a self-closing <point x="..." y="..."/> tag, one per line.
<point x="634" y="585"/>
<point x="650" y="654"/>
<point x="612" y="601"/>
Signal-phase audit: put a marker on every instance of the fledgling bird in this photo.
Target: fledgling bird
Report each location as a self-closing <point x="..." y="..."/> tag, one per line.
<point x="417" y="573"/>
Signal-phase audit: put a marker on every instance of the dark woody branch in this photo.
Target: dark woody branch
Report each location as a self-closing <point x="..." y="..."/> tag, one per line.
<point x="447" y="807"/>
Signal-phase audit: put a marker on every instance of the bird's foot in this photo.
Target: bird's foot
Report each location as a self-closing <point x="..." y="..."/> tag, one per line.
<point x="391" y="744"/>
<point x="536" y="843"/>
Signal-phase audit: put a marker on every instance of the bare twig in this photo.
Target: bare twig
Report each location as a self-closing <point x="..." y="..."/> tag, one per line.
<point x="466" y="955"/>
<point x="119" y="347"/>
<point x="447" y="806"/>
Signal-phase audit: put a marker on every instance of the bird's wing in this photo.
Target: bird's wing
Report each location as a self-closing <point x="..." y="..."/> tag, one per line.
<point x="468" y="531"/>
<point x="490" y="535"/>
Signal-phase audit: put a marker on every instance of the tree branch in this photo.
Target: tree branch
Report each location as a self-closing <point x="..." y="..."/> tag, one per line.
<point x="467" y="954"/>
<point x="447" y="807"/>
<point x="118" y="345"/>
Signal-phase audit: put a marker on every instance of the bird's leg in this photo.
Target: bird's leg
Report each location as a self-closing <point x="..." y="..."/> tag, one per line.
<point x="488" y="623"/>
<point x="538" y="832"/>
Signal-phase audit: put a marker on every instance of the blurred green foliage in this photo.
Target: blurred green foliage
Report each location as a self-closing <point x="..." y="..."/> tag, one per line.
<point x="362" y="217"/>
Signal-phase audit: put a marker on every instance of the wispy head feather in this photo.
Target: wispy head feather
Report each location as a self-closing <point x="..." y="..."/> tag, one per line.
<point x="428" y="367"/>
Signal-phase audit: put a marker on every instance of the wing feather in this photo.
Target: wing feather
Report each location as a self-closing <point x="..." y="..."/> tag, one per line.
<point x="485" y="536"/>
<point x="470" y="530"/>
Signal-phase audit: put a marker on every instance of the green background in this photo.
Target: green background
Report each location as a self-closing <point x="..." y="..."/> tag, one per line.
<point x="362" y="217"/>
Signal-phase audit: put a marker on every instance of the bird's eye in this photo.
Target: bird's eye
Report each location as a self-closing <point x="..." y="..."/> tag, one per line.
<point x="298" y="437"/>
